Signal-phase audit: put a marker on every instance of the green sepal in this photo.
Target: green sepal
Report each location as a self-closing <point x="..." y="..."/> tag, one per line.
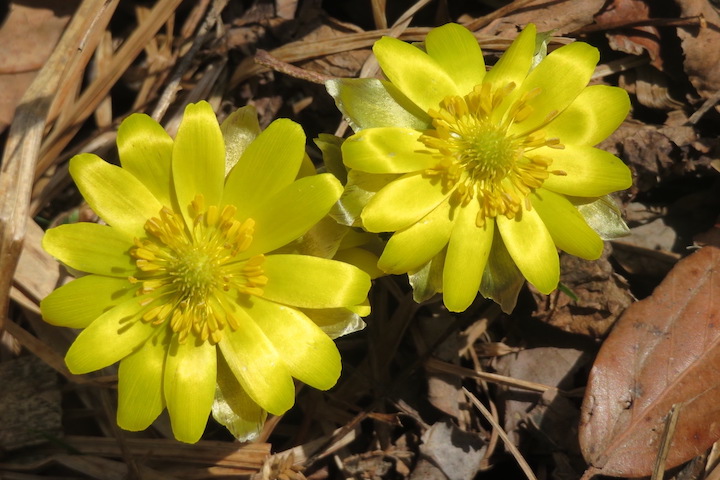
<point x="360" y="188"/>
<point x="427" y="281"/>
<point x="370" y="102"/>
<point x="239" y="130"/>
<point x="541" y="42"/>
<point x="502" y="279"/>
<point x="602" y="215"/>
<point x="233" y="408"/>
<point x="329" y="146"/>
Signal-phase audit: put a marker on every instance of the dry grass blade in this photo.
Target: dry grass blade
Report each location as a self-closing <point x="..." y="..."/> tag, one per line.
<point x="305" y="50"/>
<point x="371" y="66"/>
<point x="440" y="366"/>
<point x="247" y="458"/>
<point x="379" y="16"/>
<point x="496" y="426"/>
<point x="23" y="145"/>
<point x="499" y="13"/>
<point x="173" y="84"/>
<point x="667" y="436"/>
<point x="66" y="129"/>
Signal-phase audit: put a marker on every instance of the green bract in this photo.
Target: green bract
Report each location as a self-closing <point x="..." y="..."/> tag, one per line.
<point x="184" y="288"/>
<point x="479" y="174"/>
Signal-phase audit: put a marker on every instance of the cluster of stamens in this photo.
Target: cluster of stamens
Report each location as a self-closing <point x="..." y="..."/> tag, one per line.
<point x="187" y="271"/>
<point x="477" y="156"/>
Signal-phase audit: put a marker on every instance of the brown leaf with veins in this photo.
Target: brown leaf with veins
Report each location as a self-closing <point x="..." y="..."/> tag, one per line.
<point x="664" y="350"/>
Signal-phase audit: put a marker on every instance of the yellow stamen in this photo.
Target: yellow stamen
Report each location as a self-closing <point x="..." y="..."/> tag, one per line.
<point x="189" y="270"/>
<point x="477" y="156"/>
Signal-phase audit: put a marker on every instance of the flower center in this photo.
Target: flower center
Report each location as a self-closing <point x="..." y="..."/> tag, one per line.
<point x="192" y="271"/>
<point x="477" y="156"/>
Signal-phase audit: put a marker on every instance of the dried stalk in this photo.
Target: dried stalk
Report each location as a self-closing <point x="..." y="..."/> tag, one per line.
<point x="65" y="130"/>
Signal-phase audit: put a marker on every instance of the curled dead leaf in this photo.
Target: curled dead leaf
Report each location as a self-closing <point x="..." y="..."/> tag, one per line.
<point x="701" y="46"/>
<point x="664" y="350"/>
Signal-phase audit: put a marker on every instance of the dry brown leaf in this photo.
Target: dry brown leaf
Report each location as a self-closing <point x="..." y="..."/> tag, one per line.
<point x="456" y="452"/>
<point x="27" y="36"/>
<point x="651" y="87"/>
<point x="443" y="388"/>
<point x="562" y="17"/>
<point x="632" y="40"/>
<point x="655" y="152"/>
<point x="601" y="294"/>
<point x="701" y="46"/>
<point x="547" y="365"/>
<point x="665" y="350"/>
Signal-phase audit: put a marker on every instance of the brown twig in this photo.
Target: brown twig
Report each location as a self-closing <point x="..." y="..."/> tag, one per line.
<point x="264" y="58"/>
<point x="696" y="21"/>
<point x="480" y="22"/>
<point x="707" y="105"/>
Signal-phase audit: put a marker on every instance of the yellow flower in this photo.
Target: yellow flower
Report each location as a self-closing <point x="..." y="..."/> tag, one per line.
<point x="184" y="289"/>
<point x="480" y="175"/>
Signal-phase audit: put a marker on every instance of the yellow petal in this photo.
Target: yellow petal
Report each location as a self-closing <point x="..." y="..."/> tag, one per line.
<point x="402" y="203"/>
<point x="457" y="52"/>
<point x="387" y="150"/>
<point x="313" y="282"/>
<point x="467" y="254"/>
<point x="91" y="248"/>
<point x="140" y="385"/>
<point x="559" y="78"/>
<point x="591" y="117"/>
<point x="114" y="194"/>
<point x="198" y="164"/>
<point x="257" y="364"/>
<point x="414" y="72"/>
<point x="78" y="303"/>
<point x="310" y="355"/>
<point x="307" y="168"/>
<point x="409" y="249"/>
<point x="515" y="63"/>
<point x="189" y="387"/>
<point x="566" y="225"/>
<point x="291" y="212"/>
<point x="360" y="188"/>
<point x="532" y="248"/>
<point x="361" y="258"/>
<point x="587" y="171"/>
<point x="269" y="164"/>
<point x="112" y="337"/>
<point x="145" y="150"/>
